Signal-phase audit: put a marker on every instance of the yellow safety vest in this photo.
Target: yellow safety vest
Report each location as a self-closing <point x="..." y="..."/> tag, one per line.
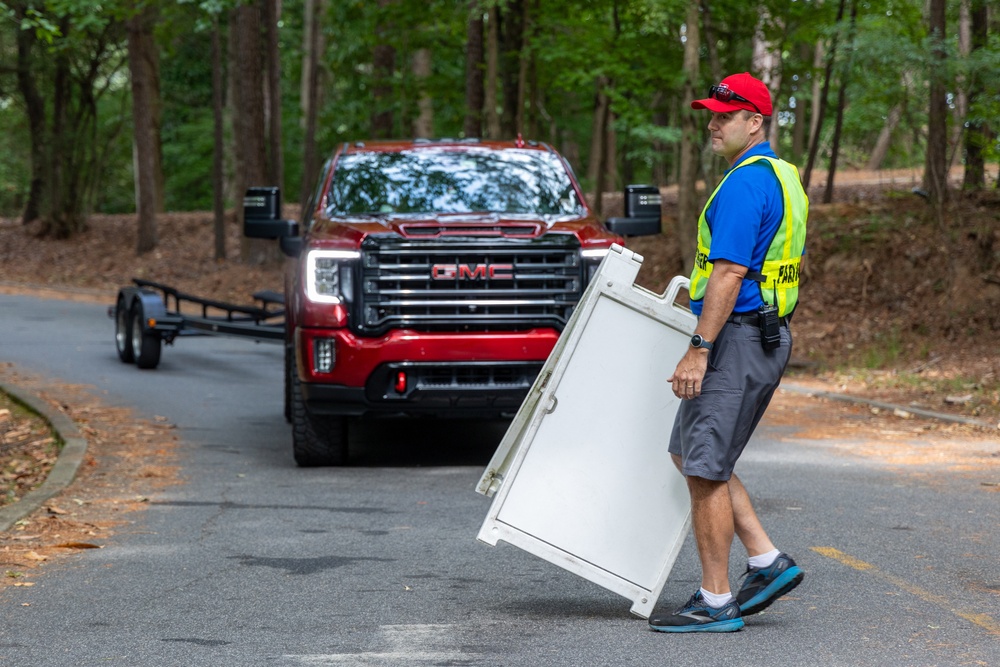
<point x="784" y="256"/>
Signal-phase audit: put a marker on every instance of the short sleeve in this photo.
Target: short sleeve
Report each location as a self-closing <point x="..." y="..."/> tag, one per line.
<point x="735" y="216"/>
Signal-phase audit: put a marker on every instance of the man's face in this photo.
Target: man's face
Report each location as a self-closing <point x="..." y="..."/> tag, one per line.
<point x="731" y="132"/>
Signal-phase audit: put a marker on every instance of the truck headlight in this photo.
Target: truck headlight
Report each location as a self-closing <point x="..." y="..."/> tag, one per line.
<point x="327" y="276"/>
<point x="591" y="260"/>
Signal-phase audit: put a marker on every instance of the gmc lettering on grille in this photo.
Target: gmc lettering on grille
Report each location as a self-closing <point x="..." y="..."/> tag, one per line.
<point x="472" y="271"/>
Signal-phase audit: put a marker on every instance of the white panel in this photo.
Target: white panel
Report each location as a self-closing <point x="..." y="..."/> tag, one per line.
<point x="589" y="473"/>
<point x="583" y="478"/>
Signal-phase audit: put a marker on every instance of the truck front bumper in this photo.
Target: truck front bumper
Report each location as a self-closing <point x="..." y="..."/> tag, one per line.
<point x="476" y="375"/>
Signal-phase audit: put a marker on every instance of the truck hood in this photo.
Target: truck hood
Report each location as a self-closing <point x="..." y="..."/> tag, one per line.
<point x="423" y="225"/>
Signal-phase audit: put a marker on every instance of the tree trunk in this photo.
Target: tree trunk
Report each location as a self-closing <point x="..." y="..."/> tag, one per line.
<point x="271" y="14"/>
<point x="218" y="195"/>
<point x="511" y="44"/>
<point x="246" y="72"/>
<point x="660" y="119"/>
<point x="310" y="167"/>
<point x="799" y="128"/>
<point x="881" y="148"/>
<point x="715" y="64"/>
<point x="767" y="63"/>
<point x="936" y="169"/>
<point x="309" y="18"/>
<point x="976" y="136"/>
<point x="423" y="124"/>
<point x="384" y="65"/>
<point x="817" y="99"/>
<point x="534" y="94"/>
<point x="961" y="110"/>
<point x="35" y="108"/>
<point x="473" y="126"/>
<point x="610" y="153"/>
<point x="525" y="67"/>
<point x="845" y="79"/>
<point x="821" y="106"/>
<point x="492" y="74"/>
<point x="144" y="71"/>
<point x="57" y="222"/>
<point x="687" y="195"/>
<point x="609" y="180"/>
<point x="598" y="136"/>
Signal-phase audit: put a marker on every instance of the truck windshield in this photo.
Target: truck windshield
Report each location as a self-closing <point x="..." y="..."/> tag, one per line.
<point x="473" y="180"/>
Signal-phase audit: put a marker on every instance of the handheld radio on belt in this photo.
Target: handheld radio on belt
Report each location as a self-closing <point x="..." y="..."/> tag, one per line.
<point x="767" y="314"/>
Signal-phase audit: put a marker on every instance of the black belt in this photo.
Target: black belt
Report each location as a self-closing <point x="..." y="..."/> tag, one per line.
<point x="754" y="319"/>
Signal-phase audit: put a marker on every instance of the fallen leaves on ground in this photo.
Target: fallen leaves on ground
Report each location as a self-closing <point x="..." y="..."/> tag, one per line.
<point x="128" y="459"/>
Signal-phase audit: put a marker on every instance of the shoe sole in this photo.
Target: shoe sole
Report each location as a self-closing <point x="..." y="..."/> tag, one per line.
<point x="732" y="625"/>
<point x="788" y="580"/>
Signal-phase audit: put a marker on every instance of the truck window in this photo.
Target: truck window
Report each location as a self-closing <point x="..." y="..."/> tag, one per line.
<point x="448" y="181"/>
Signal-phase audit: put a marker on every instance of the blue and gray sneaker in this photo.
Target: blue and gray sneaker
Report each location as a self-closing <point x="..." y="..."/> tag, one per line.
<point x="764" y="585"/>
<point x="697" y="616"/>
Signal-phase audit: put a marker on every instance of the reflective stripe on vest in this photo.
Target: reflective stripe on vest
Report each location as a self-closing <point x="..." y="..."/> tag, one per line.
<point x="784" y="254"/>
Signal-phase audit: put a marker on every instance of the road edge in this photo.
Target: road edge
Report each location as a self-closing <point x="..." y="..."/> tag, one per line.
<point x="927" y="414"/>
<point x="67" y="464"/>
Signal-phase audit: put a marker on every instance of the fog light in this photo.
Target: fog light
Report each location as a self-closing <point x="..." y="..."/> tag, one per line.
<point x="324" y="355"/>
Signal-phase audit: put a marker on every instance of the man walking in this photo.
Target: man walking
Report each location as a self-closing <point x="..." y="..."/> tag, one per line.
<point x="744" y="288"/>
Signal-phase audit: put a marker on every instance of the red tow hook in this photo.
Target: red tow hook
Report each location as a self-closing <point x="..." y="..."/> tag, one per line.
<point x="400" y="385"/>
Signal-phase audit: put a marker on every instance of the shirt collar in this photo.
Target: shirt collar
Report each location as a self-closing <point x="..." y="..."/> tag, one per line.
<point x="763" y="148"/>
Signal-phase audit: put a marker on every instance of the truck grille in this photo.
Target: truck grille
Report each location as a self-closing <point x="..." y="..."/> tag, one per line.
<point x="467" y="284"/>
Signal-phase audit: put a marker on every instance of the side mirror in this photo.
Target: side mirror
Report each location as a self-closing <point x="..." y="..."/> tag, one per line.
<point x="642" y="212"/>
<point x="262" y="215"/>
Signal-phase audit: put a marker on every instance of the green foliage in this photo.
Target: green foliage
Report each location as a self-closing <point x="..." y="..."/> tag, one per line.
<point x="635" y="46"/>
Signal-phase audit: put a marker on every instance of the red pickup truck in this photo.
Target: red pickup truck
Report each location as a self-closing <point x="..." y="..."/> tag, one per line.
<point x="430" y="278"/>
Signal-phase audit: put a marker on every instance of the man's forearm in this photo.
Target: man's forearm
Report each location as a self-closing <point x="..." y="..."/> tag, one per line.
<point x="720" y="297"/>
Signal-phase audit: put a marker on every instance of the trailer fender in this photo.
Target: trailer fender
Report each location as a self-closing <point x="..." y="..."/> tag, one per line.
<point x="145" y="308"/>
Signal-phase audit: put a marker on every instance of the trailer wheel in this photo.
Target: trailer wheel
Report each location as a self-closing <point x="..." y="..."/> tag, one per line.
<point x="123" y="332"/>
<point x="145" y="345"/>
<point x="317" y="440"/>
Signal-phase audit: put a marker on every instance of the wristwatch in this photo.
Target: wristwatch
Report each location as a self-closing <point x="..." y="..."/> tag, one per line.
<point x="698" y="341"/>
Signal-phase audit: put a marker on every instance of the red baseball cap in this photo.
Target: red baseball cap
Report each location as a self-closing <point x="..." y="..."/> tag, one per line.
<point x="723" y="97"/>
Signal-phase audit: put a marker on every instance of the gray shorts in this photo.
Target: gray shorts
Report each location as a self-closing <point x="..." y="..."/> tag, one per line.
<point x="711" y="430"/>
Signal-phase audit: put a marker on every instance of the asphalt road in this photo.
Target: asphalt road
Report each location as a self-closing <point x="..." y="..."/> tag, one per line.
<point x="253" y="561"/>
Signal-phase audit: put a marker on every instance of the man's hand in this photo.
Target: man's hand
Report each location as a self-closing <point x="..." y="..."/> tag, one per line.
<point x="720" y="297"/>
<point x="690" y="372"/>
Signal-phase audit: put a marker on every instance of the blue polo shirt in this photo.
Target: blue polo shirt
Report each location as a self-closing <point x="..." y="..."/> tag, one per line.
<point x="744" y="217"/>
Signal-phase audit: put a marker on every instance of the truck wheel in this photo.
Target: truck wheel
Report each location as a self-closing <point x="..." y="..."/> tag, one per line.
<point x="123" y="332"/>
<point x="317" y="440"/>
<point x="145" y="345"/>
<point x="289" y="372"/>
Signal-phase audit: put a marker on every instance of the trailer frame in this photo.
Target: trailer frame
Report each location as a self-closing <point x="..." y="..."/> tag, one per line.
<point x="148" y="314"/>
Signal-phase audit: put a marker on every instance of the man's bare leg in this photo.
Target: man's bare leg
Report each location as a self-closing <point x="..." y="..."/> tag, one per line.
<point x="712" y="518"/>
<point x="747" y="525"/>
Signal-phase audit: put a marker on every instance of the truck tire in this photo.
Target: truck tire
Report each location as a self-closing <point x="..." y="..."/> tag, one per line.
<point x="289" y="372"/>
<point x="145" y="345"/>
<point x="317" y="440"/>
<point x="123" y="331"/>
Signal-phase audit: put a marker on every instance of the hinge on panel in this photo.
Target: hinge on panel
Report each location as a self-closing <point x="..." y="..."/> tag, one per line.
<point x="545" y="381"/>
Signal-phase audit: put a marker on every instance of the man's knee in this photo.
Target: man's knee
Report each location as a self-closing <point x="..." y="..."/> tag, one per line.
<point x="678" y="462"/>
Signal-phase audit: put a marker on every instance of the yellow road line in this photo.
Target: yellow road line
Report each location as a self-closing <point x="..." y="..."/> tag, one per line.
<point x="982" y="620"/>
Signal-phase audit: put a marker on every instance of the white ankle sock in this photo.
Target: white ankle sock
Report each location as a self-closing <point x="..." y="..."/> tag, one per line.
<point x="716" y="599"/>
<point x="763" y="560"/>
